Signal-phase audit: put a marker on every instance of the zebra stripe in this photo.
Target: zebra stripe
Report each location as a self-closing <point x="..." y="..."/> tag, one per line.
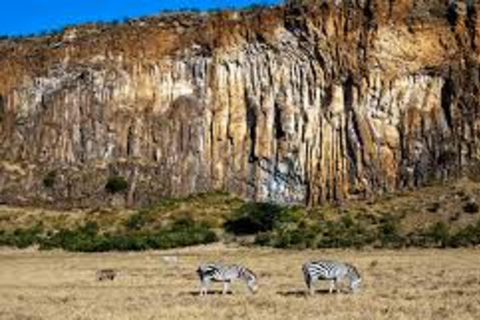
<point x="330" y="270"/>
<point x="226" y="274"/>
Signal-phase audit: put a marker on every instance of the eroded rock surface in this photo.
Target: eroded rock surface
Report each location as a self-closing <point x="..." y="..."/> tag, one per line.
<point x="303" y="103"/>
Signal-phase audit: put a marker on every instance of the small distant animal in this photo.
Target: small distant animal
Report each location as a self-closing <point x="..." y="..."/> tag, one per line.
<point x="330" y="270"/>
<point x="219" y="273"/>
<point x="106" y="274"/>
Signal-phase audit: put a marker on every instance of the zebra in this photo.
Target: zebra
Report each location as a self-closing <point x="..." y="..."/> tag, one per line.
<point x="219" y="273"/>
<point x="330" y="270"/>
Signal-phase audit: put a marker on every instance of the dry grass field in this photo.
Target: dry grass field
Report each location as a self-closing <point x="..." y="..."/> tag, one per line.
<point x="407" y="284"/>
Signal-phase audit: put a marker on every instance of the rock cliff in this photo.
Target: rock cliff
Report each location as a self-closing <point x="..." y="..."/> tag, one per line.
<point x="308" y="102"/>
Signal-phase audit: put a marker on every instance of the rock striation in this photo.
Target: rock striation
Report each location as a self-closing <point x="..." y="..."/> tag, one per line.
<point x="308" y="102"/>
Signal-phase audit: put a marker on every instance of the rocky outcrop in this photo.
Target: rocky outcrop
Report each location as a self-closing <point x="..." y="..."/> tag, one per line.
<point x="304" y="103"/>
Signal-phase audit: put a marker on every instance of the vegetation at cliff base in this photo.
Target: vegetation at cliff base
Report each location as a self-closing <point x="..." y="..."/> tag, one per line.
<point x="89" y="238"/>
<point x="252" y="218"/>
<point x="433" y="217"/>
<point x="295" y="228"/>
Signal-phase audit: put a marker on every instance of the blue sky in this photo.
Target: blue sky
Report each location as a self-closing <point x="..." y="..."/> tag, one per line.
<point x="21" y="17"/>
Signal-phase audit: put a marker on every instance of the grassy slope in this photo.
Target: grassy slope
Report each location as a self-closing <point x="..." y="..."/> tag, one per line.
<point x="416" y="208"/>
<point x="212" y="208"/>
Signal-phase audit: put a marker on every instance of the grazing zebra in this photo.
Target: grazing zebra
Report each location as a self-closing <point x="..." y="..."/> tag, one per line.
<point x="330" y="270"/>
<point x="226" y="274"/>
<point x="106" y="274"/>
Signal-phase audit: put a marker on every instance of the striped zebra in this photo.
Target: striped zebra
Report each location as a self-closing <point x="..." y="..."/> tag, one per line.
<point x="330" y="270"/>
<point x="226" y="274"/>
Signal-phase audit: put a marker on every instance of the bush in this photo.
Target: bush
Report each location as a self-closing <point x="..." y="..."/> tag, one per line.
<point x="468" y="236"/>
<point x="348" y="233"/>
<point x="21" y="238"/>
<point x="324" y="234"/>
<point x="434" y="207"/>
<point x="264" y="239"/>
<point x="471" y="206"/>
<point x="437" y="235"/>
<point x="49" y="180"/>
<point x="253" y="218"/>
<point x="298" y="238"/>
<point x="116" y="184"/>
<point x="185" y="232"/>
<point x="343" y="234"/>
<point x="86" y="238"/>
<point x="388" y="233"/>
<point x="138" y="220"/>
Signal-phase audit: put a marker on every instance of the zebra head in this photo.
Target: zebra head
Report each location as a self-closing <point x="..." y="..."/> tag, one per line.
<point x="354" y="276"/>
<point x="251" y="280"/>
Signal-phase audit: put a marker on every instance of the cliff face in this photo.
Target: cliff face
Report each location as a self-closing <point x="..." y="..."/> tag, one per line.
<point x="304" y="103"/>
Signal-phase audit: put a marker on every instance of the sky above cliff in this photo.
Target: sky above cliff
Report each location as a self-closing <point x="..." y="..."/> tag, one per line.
<point x="22" y="17"/>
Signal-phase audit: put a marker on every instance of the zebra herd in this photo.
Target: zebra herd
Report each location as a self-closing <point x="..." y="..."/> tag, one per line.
<point x="334" y="271"/>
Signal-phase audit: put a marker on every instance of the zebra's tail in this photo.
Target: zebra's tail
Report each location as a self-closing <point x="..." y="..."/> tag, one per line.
<point x="200" y="272"/>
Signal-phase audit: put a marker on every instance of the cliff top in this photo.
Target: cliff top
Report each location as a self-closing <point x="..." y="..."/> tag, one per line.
<point x="147" y="39"/>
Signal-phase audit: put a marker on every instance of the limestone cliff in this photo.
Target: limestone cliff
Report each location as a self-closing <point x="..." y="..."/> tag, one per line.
<point x="302" y="103"/>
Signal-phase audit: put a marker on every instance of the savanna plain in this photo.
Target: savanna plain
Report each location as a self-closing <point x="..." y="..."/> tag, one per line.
<point x="397" y="284"/>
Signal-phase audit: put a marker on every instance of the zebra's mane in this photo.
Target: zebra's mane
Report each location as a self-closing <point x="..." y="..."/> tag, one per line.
<point x="247" y="273"/>
<point x="250" y="272"/>
<point x="322" y="261"/>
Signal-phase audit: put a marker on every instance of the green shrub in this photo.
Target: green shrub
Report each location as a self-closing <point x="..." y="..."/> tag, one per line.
<point x="185" y="232"/>
<point x="343" y="234"/>
<point x="22" y="238"/>
<point x="253" y="218"/>
<point x="49" y="180"/>
<point x="434" y="207"/>
<point x="86" y="238"/>
<point x="138" y="220"/>
<point x="468" y="236"/>
<point x="264" y="239"/>
<point x="324" y="234"/>
<point x="388" y="233"/>
<point x="299" y="238"/>
<point x="116" y="184"/>
<point x="437" y="235"/>
<point x="471" y="207"/>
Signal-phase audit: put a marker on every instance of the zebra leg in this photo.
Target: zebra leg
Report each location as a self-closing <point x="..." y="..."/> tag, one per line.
<point x="332" y="285"/>
<point x="225" y="287"/>
<point x="204" y="288"/>
<point x="336" y="285"/>
<point x="311" y="289"/>
<point x="309" y="283"/>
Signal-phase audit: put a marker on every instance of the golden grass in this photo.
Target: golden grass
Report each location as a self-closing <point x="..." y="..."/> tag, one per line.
<point x="410" y="284"/>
